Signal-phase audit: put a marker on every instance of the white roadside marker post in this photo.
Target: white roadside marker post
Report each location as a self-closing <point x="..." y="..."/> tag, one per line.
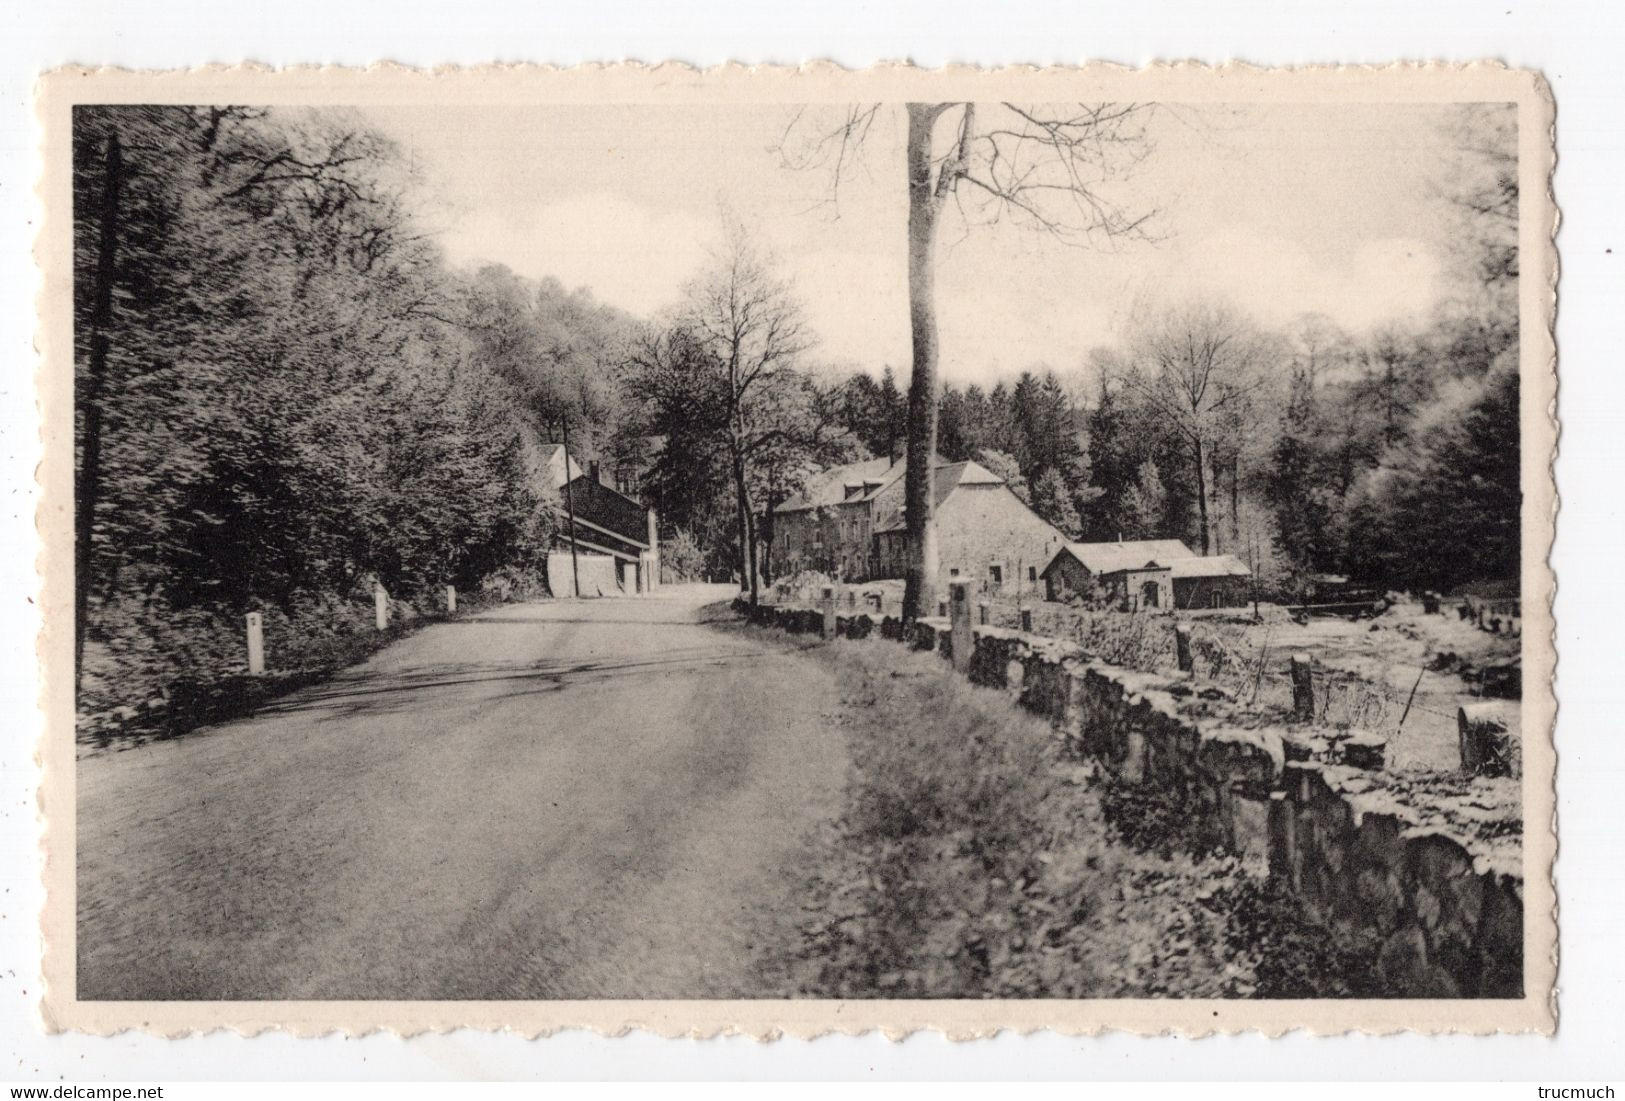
<point x="451" y="599"/>
<point x="256" y="644"/>
<point x="380" y="607"/>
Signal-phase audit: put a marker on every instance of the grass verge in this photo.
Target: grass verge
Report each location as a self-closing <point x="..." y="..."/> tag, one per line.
<point x="975" y="858"/>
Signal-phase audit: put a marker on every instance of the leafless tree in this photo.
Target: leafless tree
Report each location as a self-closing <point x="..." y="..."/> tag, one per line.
<point x="748" y="324"/>
<point x="1047" y="168"/>
<point x="1197" y="364"/>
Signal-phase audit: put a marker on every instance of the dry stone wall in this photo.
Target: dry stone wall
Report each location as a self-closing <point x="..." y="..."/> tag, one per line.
<point x="1443" y="907"/>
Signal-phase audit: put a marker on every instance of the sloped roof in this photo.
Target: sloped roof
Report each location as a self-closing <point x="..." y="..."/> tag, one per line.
<point x="948" y="477"/>
<point x="1136" y="554"/>
<point x="1152" y="554"/>
<point x="829" y="486"/>
<point x="549" y="456"/>
<point x="1214" y="565"/>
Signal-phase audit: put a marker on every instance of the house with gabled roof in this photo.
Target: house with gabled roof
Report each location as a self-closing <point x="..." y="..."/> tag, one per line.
<point x="607" y="541"/>
<point x="850" y="523"/>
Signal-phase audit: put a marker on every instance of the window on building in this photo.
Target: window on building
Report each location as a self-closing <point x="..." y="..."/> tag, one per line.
<point x="953" y="573"/>
<point x="995" y="575"/>
<point x="1032" y="573"/>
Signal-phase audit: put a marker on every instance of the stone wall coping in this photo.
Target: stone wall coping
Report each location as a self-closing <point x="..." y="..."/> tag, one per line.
<point x="1506" y="867"/>
<point x="1261" y="738"/>
<point x="1364" y="793"/>
<point x="1221" y="720"/>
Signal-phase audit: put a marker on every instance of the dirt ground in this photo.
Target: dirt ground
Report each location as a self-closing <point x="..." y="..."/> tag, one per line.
<point x="1390" y="652"/>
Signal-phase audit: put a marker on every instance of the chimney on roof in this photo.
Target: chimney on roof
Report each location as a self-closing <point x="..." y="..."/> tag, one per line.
<point x="592" y="468"/>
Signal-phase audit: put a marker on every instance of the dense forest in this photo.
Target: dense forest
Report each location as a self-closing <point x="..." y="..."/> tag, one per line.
<point x="285" y="395"/>
<point x="1391" y="456"/>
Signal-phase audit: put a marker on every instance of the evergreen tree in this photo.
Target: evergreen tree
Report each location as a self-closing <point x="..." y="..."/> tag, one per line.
<point x="1004" y="465"/>
<point x="1052" y="500"/>
<point x="1145" y="506"/>
<point x="1296" y="485"/>
<point x="951" y="427"/>
<point x="891" y="415"/>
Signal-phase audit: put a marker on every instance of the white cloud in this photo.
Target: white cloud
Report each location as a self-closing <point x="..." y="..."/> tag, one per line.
<point x="631" y="256"/>
<point x="1277" y="279"/>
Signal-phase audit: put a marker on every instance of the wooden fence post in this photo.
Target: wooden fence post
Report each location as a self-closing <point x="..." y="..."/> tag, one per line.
<point x="256" y="644"/>
<point x="828" y="603"/>
<point x="1303" y="688"/>
<point x="451" y="599"/>
<point x="380" y="607"/>
<point x="1182" y="647"/>
<point x="1027" y="620"/>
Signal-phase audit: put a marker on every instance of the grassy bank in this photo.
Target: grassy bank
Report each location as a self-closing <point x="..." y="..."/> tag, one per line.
<point x="976" y="858"/>
<point x="148" y="676"/>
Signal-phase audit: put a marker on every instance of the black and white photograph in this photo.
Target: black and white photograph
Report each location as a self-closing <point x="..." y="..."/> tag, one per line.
<point x="747" y="548"/>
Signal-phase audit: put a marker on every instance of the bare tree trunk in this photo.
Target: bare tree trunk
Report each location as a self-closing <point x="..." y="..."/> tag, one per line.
<point x="768" y="531"/>
<point x="89" y="484"/>
<point x="1235" y="500"/>
<point x="1201" y="491"/>
<point x="747" y="530"/>
<point x="919" y="503"/>
<point x="570" y="511"/>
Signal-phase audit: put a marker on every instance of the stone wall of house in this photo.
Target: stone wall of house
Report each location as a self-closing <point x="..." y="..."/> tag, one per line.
<point x="1443" y="907"/>
<point x="980" y="526"/>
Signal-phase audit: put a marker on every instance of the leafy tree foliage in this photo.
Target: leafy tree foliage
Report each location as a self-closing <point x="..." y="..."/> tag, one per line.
<point x="283" y="399"/>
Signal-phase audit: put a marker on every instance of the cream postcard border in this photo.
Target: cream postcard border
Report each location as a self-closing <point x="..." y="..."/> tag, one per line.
<point x="59" y="91"/>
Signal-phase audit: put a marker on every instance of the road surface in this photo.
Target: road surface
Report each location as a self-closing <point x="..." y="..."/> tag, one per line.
<point x="595" y="799"/>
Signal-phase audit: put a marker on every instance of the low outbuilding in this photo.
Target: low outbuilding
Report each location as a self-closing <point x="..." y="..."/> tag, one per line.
<point x="1146" y="574"/>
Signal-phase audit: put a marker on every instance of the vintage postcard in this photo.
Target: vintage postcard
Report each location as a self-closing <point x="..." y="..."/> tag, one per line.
<point x="789" y="550"/>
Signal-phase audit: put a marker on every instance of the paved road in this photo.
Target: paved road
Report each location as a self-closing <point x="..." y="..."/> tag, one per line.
<point x="597" y="799"/>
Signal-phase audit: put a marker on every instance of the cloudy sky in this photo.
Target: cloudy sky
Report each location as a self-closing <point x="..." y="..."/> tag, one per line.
<point x="1283" y="210"/>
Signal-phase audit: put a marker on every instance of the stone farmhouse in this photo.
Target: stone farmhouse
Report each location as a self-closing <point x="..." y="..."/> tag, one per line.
<point x="1147" y="574"/>
<point x="849" y="524"/>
